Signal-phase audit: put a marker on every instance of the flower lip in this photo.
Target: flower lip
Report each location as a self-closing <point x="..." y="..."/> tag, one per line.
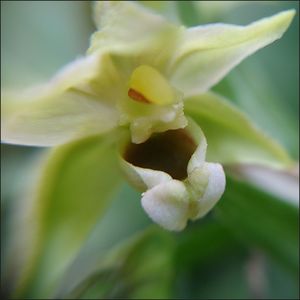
<point x="169" y="152"/>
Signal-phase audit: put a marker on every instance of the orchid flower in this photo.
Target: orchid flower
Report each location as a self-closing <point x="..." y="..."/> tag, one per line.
<point x="143" y="90"/>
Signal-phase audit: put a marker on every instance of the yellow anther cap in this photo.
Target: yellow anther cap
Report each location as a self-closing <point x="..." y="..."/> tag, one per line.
<point x="147" y="85"/>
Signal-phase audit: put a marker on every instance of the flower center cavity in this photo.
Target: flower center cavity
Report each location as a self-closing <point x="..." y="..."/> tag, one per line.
<point x="169" y="152"/>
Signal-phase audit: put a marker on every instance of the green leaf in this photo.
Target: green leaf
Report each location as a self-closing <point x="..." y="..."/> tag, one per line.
<point x="205" y="242"/>
<point x="223" y="278"/>
<point x="209" y="256"/>
<point x="281" y="284"/>
<point x="77" y="184"/>
<point x="262" y="220"/>
<point x="231" y="136"/>
<point x="187" y="12"/>
<point x="112" y="230"/>
<point x="137" y="269"/>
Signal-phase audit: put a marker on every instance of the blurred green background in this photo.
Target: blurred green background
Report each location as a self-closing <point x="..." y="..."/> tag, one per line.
<point x="247" y="247"/>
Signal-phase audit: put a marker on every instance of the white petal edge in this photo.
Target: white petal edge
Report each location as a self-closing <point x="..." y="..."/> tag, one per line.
<point x="198" y="158"/>
<point x="213" y="191"/>
<point x="167" y="205"/>
<point x="142" y="178"/>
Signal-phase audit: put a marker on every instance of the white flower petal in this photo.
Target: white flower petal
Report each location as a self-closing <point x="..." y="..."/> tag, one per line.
<point x="214" y="190"/>
<point x="143" y="178"/>
<point x="167" y="205"/>
<point x="181" y="184"/>
<point x="207" y="53"/>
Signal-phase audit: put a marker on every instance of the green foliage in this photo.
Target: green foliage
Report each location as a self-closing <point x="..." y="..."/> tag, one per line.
<point x="71" y="198"/>
<point x="139" y="268"/>
<point x="262" y="221"/>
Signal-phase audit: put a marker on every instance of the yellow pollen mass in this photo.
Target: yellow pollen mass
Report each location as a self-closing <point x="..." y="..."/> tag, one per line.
<point x="147" y="85"/>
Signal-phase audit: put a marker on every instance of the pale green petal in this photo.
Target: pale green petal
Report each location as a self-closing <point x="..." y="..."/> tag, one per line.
<point x="167" y="204"/>
<point x="129" y="28"/>
<point x="62" y="110"/>
<point x="207" y="53"/>
<point x="53" y="121"/>
<point x="231" y="136"/>
<point x="78" y="182"/>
